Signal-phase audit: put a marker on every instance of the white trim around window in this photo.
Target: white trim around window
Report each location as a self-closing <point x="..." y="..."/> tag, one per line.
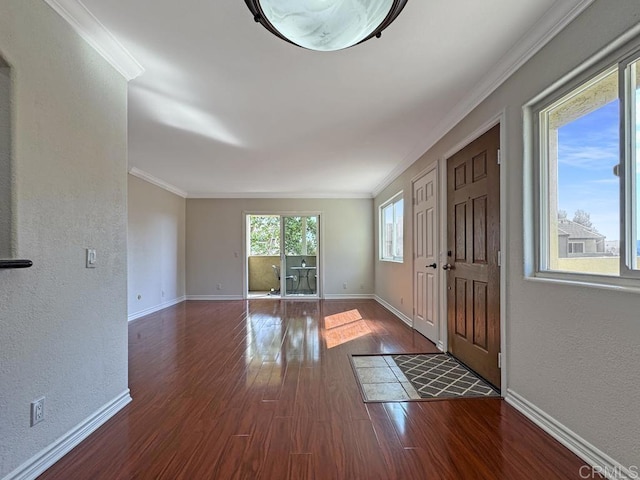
<point x="582" y="139"/>
<point x="391" y="231"/>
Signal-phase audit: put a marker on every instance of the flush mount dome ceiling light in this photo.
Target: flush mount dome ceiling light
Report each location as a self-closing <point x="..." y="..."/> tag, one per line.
<point x="325" y="25"/>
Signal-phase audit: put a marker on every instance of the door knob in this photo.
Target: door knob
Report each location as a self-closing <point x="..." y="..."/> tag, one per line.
<point x="448" y="266"/>
<point x="433" y="265"/>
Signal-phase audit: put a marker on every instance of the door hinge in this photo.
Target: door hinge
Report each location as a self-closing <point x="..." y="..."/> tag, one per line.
<point x="499" y="258"/>
<point x="499" y="360"/>
<point x="499" y="157"/>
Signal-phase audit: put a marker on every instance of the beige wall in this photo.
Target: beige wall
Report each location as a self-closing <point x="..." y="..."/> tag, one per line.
<point x="597" y="265"/>
<point x="156" y="247"/>
<point x="261" y="275"/>
<point x="572" y="351"/>
<point x="63" y="327"/>
<point x="214" y="242"/>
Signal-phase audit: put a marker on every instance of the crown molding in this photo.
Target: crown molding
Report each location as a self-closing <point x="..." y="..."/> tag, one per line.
<point x="98" y="36"/>
<point x="136" y="172"/>
<point x="348" y="195"/>
<point x="556" y="19"/>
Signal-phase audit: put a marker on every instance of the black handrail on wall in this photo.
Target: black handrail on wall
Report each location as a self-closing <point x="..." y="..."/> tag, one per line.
<point x="17" y="263"/>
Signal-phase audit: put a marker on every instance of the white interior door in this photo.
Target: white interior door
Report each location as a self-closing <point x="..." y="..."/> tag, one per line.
<point x="425" y="267"/>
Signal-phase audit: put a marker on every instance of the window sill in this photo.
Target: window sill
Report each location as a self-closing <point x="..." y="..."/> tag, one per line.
<point x="390" y="260"/>
<point x="589" y="281"/>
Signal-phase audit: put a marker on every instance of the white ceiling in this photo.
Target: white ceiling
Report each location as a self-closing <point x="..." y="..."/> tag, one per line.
<point x="224" y="108"/>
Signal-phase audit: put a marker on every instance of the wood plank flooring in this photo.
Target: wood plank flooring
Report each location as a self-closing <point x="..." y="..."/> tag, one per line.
<point x="264" y="389"/>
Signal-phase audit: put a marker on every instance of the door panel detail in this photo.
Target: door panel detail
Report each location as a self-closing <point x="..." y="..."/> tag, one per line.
<point x="480" y="229"/>
<point x="480" y="166"/>
<point x="480" y="314"/>
<point x="460" y="247"/>
<point x="461" y="307"/>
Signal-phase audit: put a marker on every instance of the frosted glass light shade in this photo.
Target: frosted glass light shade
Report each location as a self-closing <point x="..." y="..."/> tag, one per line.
<point x="325" y="25"/>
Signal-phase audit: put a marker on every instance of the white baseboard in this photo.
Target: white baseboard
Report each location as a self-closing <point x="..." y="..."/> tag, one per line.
<point x="214" y="297"/>
<point x="348" y="296"/>
<point x="395" y="311"/>
<point x="157" y="308"/>
<point x="40" y="462"/>
<point x="602" y="462"/>
<point x="440" y="345"/>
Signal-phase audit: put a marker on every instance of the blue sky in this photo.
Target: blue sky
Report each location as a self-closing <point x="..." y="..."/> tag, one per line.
<point x="587" y="152"/>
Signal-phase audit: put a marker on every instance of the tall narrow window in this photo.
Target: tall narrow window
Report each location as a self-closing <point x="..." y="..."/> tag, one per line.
<point x="580" y="132"/>
<point x="392" y="229"/>
<point x="631" y="173"/>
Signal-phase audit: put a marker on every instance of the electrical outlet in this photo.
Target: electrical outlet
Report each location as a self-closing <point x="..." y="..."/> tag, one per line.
<point x="37" y="411"/>
<point x="219" y="286"/>
<point x="344" y="285"/>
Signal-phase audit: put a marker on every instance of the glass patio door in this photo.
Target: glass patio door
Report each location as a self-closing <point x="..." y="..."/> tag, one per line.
<point x="300" y="248"/>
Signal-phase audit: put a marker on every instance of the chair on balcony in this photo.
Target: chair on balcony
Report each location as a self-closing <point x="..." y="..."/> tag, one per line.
<point x="276" y="272"/>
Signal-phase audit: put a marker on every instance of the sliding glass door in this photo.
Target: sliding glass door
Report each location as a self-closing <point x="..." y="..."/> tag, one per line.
<point x="300" y="259"/>
<point x="282" y="255"/>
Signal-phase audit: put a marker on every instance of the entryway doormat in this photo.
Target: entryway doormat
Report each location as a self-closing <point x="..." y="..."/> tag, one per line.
<point x="439" y="375"/>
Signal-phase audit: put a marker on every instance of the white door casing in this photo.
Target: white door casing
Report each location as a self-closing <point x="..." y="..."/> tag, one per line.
<point x="425" y="247"/>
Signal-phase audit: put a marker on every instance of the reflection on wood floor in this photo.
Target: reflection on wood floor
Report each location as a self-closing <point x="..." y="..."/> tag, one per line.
<point x="265" y="389"/>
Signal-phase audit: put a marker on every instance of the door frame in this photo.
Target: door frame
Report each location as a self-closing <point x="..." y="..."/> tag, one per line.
<point x="319" y="257"/>
<point x="499" y="118"/>
<point x="439" y="273"/>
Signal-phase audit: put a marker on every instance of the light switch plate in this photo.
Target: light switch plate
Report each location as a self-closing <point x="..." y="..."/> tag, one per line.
<point x="91" y="258"/>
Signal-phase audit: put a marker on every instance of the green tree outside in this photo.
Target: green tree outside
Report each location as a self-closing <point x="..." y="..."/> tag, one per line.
<point x="301" y="235"/>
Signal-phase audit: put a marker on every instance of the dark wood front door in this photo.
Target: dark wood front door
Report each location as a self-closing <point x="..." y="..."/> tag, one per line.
<point x="473" y="284"/>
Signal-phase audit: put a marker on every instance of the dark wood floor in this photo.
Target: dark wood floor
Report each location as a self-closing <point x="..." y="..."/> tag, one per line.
<point x="265" y="389"/>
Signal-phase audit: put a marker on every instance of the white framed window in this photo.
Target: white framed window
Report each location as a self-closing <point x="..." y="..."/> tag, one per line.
<point x="392" y="229"/>
<point x="586" y="137"/>
<point x="576" y="247"/>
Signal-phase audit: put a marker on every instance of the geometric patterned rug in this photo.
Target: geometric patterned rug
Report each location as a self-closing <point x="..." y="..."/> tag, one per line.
<point x="439" y="375"/>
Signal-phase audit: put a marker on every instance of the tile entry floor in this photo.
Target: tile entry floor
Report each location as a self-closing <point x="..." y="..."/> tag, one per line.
<point x="398" y="378"/>
<point x="381" y="379"/>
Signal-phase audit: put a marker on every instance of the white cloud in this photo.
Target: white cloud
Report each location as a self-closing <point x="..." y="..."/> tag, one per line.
<point x="592" y="158"/>
<point x="606" y="181"/>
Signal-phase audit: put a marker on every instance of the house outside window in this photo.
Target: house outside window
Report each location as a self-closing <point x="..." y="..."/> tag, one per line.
<point x="392" y="229"/>
<point x="586" y="156"/>
<point x="575" y="239"/>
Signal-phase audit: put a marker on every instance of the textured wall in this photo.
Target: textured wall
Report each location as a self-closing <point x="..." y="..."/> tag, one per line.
<point x="156" y="246"/>
<point x="63" y="328"/>
<point x="572" y="351"/>
<point x="214" y="237"/>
